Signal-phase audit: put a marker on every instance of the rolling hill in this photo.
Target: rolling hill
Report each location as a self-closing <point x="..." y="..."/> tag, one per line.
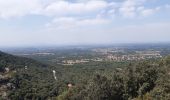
<point x="23" y="78"/>
<point x="26" y="79"/>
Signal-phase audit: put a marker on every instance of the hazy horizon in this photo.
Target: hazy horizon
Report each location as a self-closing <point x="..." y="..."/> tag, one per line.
<point x="25" y="23"/>
<point x="84" y="45"/>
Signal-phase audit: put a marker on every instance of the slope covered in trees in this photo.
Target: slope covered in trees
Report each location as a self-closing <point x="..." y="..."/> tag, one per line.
<point x="23" y="78"/>
<point x="147" y="80"/>
<point x="26" y="79"/>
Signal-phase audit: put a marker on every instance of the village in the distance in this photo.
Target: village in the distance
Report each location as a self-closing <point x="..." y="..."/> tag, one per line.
<point x="87" y="54"/>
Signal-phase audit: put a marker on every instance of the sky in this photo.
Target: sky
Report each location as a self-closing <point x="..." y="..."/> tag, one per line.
<point x="76" y="22"/>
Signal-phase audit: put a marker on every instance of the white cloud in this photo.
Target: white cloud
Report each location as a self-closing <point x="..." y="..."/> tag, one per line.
<point x="62" y="8"/>
<point x="128" y="11"/>
<point x="85" y="21"/>
<point x="136" y="8"/>
<point x="144" y="12"/>
<point x="70" y="22"/>
<point x="128" y="7"/>
<point x="147" y="12"/>
<point x="13" y="8"/>
<point x="64" y="14"/>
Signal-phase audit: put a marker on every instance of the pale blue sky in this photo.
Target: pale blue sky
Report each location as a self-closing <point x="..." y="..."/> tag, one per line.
<point x="71" y="22"/>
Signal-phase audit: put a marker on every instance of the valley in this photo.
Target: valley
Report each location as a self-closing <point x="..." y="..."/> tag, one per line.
<point x="75" y="73"/>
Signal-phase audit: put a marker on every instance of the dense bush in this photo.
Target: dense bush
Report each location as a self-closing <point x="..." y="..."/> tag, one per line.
<point x="147" y="80"/>
<point x="140" y="81"/>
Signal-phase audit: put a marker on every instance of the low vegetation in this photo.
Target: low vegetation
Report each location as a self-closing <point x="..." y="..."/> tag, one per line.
<point x="26" y="79"/>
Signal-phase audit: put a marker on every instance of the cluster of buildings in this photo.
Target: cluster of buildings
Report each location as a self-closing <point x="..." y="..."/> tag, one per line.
<point x="108" y="50"/>
<point x="116" y="55"/>
<point x="138" y="55"/>
<point x="72" y="62"/>
<point x="131" y="57"/>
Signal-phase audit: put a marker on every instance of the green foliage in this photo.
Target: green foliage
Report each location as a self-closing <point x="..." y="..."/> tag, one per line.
<point x="146" y="80"/>
<point x="140" y="81"/>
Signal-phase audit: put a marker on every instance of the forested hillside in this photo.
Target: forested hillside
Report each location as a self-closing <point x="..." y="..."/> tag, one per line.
<point x="26" y="79"/>
<point x="22" y="78"/>
<point x="148" y="80"/>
